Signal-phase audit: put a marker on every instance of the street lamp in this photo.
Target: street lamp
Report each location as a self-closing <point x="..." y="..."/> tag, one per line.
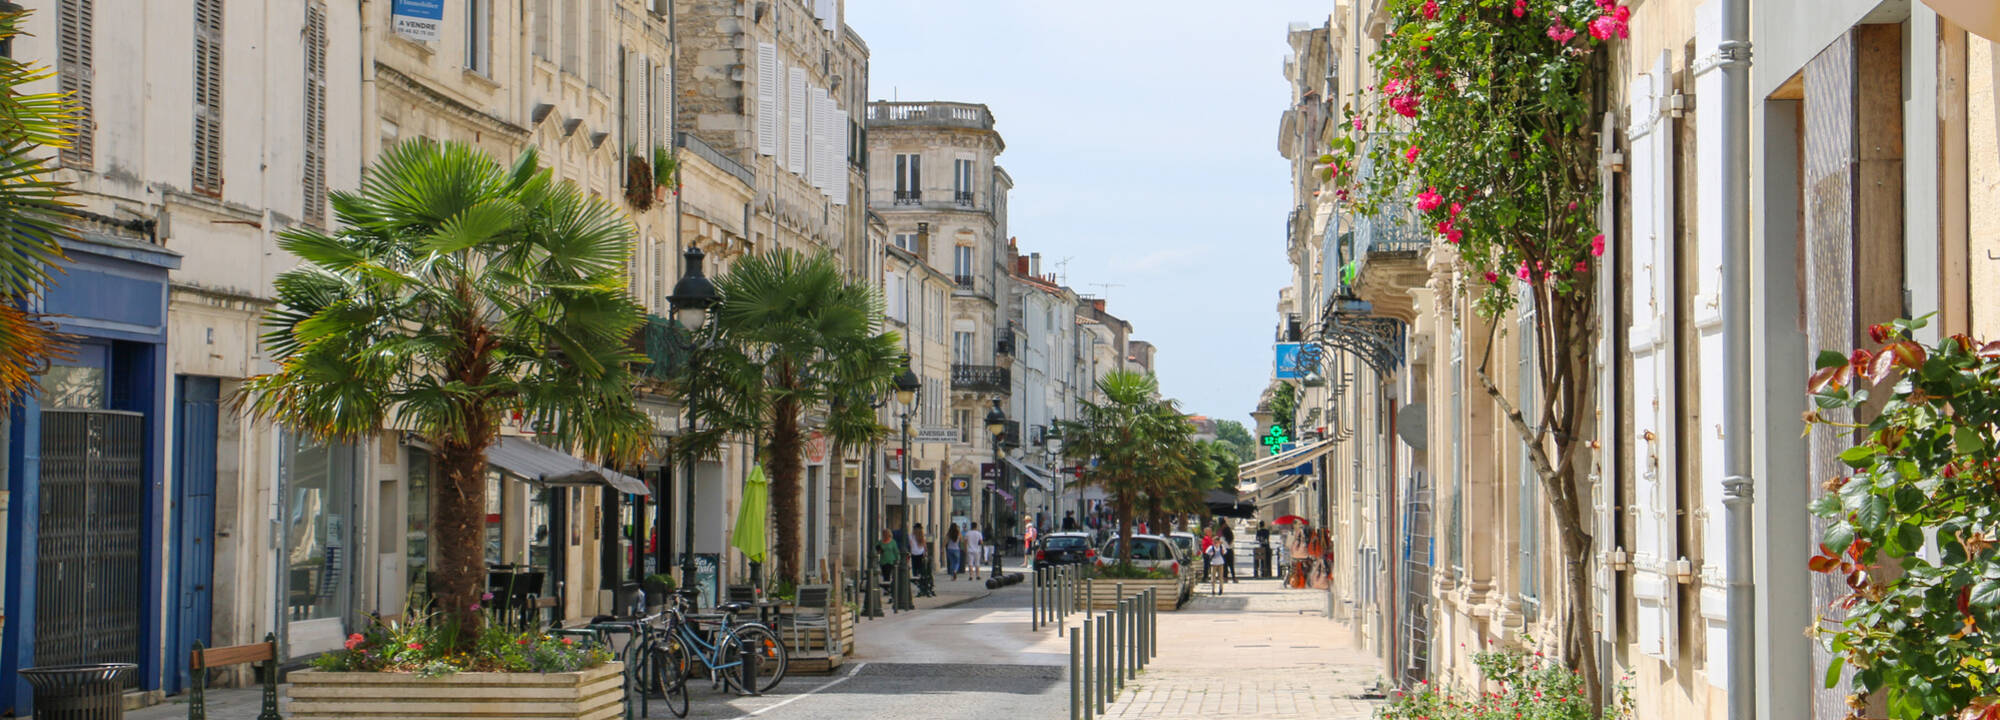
<point x="906" y="393"/>
<point x="693" y="297"/>
<point x="996" y="425"/>
<point x="1053" y="440"/>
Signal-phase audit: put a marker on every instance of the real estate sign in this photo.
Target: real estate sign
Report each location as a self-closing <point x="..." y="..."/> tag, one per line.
<point x="420" y="20"/>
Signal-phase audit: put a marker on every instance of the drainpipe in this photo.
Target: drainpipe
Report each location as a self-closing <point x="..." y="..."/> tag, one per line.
<point x="1738" y="487"/>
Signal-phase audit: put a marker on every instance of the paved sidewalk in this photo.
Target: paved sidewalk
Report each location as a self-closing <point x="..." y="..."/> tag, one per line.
<point x="1257" y="651"/>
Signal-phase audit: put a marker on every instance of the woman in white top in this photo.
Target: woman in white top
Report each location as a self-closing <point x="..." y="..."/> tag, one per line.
<point x="975" y="550"/>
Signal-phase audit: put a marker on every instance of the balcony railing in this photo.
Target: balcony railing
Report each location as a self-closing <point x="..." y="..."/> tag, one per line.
<point x="981" y="378"/>
<point x="962" y="197"/>
<point x="930" y="114"/>
<point x="909" y="197"/>
<point x="966" y="282"/>
<point x="714" y="157"/>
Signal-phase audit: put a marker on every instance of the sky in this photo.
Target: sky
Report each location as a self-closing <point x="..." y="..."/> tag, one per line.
<point x="1142" y="140"/>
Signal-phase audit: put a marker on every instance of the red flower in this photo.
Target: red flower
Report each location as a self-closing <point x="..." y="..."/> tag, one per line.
<point x="1430" y="9"/>
<point x="1561" y="33"/>
<point x="569" y="641"/>
<point x="1455" y="207"/>
<point x="1581" y="267"/>
<point x="415" y="646"/>
<point x="353" y="641"/>
<point x="1405" y="104"/>
<point x="1603" y="27"/>
<point x="1520" y="8"/>
<point x="1429" y="199"/>
<point x="1494" y="278"/>
<point x="1597" y="246"/>
<point x="1412" y="154"/>
<point x="1522" y="272"/>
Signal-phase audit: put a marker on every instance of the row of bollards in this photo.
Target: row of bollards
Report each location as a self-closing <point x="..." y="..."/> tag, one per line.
<point x="1106" y="649"/>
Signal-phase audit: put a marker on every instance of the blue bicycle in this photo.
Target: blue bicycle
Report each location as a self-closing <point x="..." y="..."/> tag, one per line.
<point x="721" y="646"/>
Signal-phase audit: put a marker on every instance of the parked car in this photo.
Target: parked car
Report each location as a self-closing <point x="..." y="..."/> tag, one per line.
<point x="1190" y="547"/>
<point x="1151" y="551"/>
<point x="1064" y="548"/>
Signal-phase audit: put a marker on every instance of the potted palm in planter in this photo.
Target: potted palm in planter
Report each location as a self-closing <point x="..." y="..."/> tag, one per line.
<point x="457" y="292"/>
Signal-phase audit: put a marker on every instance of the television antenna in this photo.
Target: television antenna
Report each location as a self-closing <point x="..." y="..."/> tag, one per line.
<point x="1101" y="287"/>
<point x="1062" y="270"/>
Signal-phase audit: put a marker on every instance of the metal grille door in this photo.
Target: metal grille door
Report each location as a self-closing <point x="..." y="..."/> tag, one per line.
<point x="1417" y="561"/>
<point x="88" y="593"/>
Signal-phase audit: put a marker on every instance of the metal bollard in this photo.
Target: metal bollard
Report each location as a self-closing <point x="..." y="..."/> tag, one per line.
<point x="1104" y="694"/>
<point x="1153" y="629"/>
<point x="1089" y="683"/>
<point x="1139" y="643"/>
<point x="1034" y="601"/>
<point x="1118" y="660"/>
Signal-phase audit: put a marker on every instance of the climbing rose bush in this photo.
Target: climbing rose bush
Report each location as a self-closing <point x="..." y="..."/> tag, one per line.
<point x="1517" y="686"/>
<point x="1483" y="122"/>
<point x="1916" y="625"/>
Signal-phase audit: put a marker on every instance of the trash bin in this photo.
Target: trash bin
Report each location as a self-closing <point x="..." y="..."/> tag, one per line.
<point x="80" y="692"/>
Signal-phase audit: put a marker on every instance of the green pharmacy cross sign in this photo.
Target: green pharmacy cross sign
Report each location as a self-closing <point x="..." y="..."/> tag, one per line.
<point x="1276" y="439"/>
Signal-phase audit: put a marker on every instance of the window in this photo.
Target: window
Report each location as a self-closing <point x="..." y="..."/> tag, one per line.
<point x="1529" y="495"/>
<point x="478" y="43"/>
<point x="74" y="20"/>
<point x="417" y="518"/>
<point x="572" y="36"/>
<point x="1454" y="532"/>
<point x="317" y="484"/>
<point x="961" y="265"/>
<point x="208" y="97"/>
<point x="962" y="181"/>
<point x="543" y="18"/>
<point x="315" y="101"/>
<point x="907" y="241"/>
<point x="909" y="178"/>
<point x="897" y="301"/>
<point x="961" y="347"/>
<point x="593" y="64"/>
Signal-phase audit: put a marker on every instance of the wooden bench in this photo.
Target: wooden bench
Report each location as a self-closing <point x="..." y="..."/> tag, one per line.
<point x="201" y="659"/>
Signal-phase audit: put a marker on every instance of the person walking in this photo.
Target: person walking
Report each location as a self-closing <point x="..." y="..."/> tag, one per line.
<point x="975" y="550"/>
<point x="1069" y="521"/>
<point x="888" y="553"/>
<point x="920" y="562"/>
<point x="1211" y="559"/>
<point x="1228" y="551"/>
<point x="954" y="551"/>
<point x="1263" y="559"/>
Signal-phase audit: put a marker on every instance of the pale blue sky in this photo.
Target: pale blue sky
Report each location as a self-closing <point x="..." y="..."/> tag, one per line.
<point x="1142" y="139"/>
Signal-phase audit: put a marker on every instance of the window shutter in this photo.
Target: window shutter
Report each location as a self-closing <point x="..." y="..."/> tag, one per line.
<point x="74" y="20"/>
<point x="815" y="134"/>
<point x="541" y="23"/>
<point x="767" y="99"/>
<point x="594" y="62"/>
<point x="207" y="175"/>
<point x="839" y="151"/>
<point x="314" y="201"/>
<point x="572" y="33"/>
<point x="795" y="151"/>
<point x="1651" y="342"/>
<point x="1605" y="487"/>
<point x="658" y="105"/>
<point x="1710" y="131"/>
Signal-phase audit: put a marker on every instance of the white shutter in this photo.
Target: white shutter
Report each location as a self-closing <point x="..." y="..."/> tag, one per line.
<point x="840" y="139"/>
<point x="1605" y="487"/>
<point x="824" y="9"/>
<point x="797" y="111"/>
<point x="1651" y="341"/>
<point x="658" y="106"/>
<point x="642" y="121"/>
<point x="822" y="142"/>
<point x="629" y="98"/>
<point x="767" y="99"/>
<point x="1710" y="130"/>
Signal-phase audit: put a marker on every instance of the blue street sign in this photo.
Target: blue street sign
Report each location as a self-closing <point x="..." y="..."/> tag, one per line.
<point x="1288" y="361"/>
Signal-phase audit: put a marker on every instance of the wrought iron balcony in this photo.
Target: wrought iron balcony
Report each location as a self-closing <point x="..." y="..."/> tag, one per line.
<point x="962" y="197"/>
<point x="1004" y="344"/>
<point x="909" y="197"/>
<point x="966" y="282"/>
<point x="981" y="378"/>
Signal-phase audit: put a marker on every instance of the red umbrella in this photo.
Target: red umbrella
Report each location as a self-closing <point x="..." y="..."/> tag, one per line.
<point x="1289" y="519"/>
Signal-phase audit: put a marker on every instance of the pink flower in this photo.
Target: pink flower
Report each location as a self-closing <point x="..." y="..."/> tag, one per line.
<point x="1412" y="154"/>
<point x="1455" y="208"/>
<point x="1605" y="5"/>
<point x="415" y="646"/>
<point x="1603" y="27"/>
<point x="1405" y="104"/>
<point x="1622" y="14"/>
<point x="353" y="641"/>
<point x="1520" y="8"/>
<point x="1581" y="267"/>
<point x="1395" y="86"/>
<point x="1597" y="246"/>
<point x="486" y="596"/>
<point x="1429" y="199"/>
<point x="1430" y="9"/>
<point x="475" y="606"/>
<point x="1493" y="278"/>
<point x="1451" y="234"/>
<point x="1522" y="272"/>
<point x="1561" y="33"/>
<point x="1357" y="122"/>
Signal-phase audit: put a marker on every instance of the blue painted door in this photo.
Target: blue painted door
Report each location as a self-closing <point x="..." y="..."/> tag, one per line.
<point x="195" y="418"/>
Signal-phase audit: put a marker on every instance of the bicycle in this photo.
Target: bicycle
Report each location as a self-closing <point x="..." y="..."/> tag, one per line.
<point x="645" y="659"/>
<point x="721" y="649"/>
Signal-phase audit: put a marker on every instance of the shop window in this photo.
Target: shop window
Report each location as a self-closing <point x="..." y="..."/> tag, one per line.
<point x="318" y="487"/>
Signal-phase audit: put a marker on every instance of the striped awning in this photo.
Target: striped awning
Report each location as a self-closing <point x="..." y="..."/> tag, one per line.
<point x="1284" y="461"/>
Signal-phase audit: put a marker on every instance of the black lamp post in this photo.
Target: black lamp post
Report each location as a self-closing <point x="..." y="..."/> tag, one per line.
<point x="907" y="385"/>
<point x="693" y="297"/>
<point x="1053" y="440"/>
<point x="996" y="425"/>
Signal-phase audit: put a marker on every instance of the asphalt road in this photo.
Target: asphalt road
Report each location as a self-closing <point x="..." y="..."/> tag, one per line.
<point x="977" y="660"/>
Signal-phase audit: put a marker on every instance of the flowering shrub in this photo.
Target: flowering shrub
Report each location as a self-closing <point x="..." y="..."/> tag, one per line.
<point x="1529" y="688"/>
<point x="1484" y="121"/>
<point x="423" y="647"/>
<point x="1925" y="462"/>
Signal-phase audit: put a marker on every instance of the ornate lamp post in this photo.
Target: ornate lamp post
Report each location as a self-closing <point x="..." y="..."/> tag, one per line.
<point x="693" y="296"/>
<point x="906" y="394"/>
<point x="1053" y="440"/>
<point x="996" y="425"/>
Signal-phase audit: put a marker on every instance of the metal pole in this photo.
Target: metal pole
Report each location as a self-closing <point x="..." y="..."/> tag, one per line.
<point x="903" y="568"/>
<point x="1139" y="639"/>
<point x="687" y="480"/>
<point x="1089" y="670"/>
<point x="1035" y="602"/>
<point x="1075" y="681"/>
<point x="1737" y="486"/>
<point x="1103" y="660"/>
<point x="1062" y="602"/>
<point x="871" y="601"/>
<point x="1121" y="662"/>
<point x="1153" y="628"/>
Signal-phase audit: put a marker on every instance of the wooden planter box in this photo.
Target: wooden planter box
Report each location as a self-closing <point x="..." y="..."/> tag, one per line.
<point x="1100" y="593"/>
<point x="808" y="652"/>
<point x="594" y="694"/>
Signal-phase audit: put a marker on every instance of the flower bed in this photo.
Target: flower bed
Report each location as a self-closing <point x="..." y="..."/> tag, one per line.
<point x="593" y="694"/>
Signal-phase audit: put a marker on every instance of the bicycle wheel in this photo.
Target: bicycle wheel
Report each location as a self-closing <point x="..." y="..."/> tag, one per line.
<point x="670" y="665"/>
<point x="770" y="657"/>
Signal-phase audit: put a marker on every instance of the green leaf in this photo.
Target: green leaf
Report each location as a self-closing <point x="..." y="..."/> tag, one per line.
<point x="1837" y="537"/>
<point x="1986" y="593"/>
<point x="1827" y="505"/>
<point x="1907" y="539"/>
<point x="1833" y="670"/>
<point x="1859" y="455"/>
<point x="1829" y="358"/>
<point x="1872" y="511"/>
<point x="1968" y="440"/>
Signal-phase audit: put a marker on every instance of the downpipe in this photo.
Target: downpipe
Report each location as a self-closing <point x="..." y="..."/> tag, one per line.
<point x="1738" y="487"/>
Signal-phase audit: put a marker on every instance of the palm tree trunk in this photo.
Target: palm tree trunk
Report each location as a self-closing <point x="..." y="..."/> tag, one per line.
<point x="1124" y="528"/>
<point x="460" y="573"/>
<point x="785" y="470"/>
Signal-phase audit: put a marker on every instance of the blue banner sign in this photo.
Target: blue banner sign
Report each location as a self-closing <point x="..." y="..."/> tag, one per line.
<point x="1290" y="361"/>
<point x="420" y="20"/>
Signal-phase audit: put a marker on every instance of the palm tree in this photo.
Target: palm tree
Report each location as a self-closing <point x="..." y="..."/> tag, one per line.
<point x="32" y="204"/>
<point x="1144" y="448"/>
<point x="458" y="291"/>
<point x="793" y="336"/>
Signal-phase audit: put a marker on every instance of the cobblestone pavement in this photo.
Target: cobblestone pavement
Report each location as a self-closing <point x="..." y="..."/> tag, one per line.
<point x="1257" y="651"/>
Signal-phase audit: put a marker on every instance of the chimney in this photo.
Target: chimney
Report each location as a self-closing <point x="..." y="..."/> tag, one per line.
<point x="1099" y="304"/>
<point x="1035" y="264"/>
<point x="1020" y="265"/>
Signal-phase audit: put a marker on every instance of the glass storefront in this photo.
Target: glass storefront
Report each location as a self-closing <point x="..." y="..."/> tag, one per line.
<point x="417" y="531"/>
<point x="318" y="486"/>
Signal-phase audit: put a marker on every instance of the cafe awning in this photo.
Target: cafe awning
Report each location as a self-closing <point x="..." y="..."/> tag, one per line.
<point x="892" y="491"/>
<point x="1031" y="476"/>
<point x="547" y="466"/>
<point x="1288" y="460"/>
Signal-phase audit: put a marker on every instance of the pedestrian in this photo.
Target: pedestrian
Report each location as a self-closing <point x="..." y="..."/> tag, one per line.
<point x="920" y="562"/>
<point x="1263" y="559"/>
<point x="887" y="554"/>
<point x="954" y="553"/>
<point x="1069" y="521"/>
<point x="1211" y="558"/>
<point x="1228" y="551"/>
<point x="975" y="549"/>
